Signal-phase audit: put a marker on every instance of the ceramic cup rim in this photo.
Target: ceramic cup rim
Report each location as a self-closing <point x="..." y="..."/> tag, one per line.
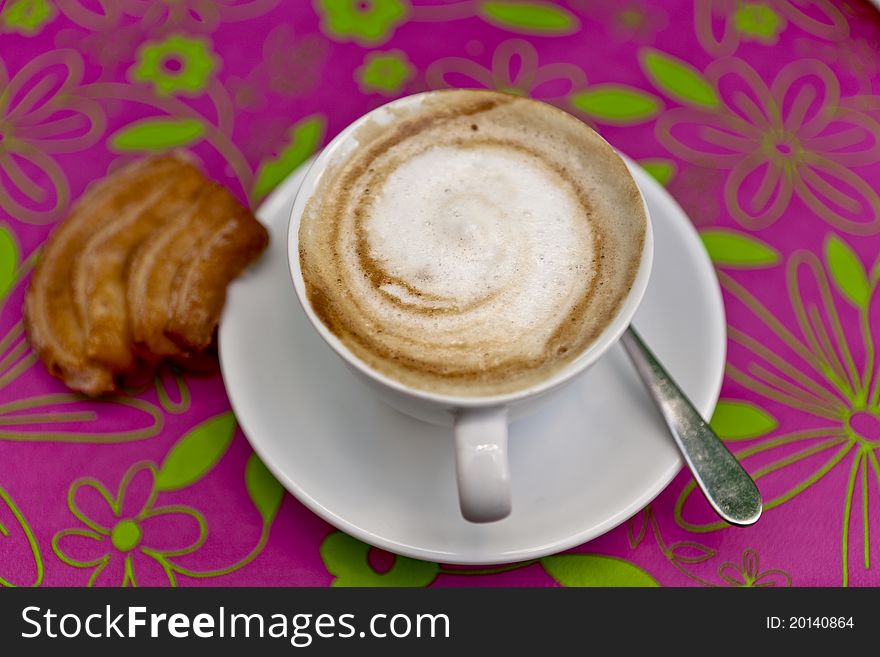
<point x="595" y="350"/>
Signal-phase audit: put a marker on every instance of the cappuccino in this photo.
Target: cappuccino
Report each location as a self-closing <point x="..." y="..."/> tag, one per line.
<point x="473" y="245"/>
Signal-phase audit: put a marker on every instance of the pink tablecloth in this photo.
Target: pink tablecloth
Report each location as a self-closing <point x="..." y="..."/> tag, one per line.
<point x="759" y="117"/>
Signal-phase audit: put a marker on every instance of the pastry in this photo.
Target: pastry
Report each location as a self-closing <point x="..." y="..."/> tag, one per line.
<point x="138" y="273"/>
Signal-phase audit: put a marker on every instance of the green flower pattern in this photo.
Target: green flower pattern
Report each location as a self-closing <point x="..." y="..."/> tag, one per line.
<point x="127" y="539"/>
<point x="120" y="541"/>
<point x="26" y="17"/>
<point x="758" y="22"/>
<point x="176" y="65"/>
<point x="384" y="72"/>
<point x="746" y="574"/>
<point x="347" y="559"/>
<point x="367" y="22"/>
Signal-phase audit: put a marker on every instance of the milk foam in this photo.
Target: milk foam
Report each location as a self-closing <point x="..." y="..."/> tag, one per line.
<point x="486" y="237"/>
<point x="472" y="248"/>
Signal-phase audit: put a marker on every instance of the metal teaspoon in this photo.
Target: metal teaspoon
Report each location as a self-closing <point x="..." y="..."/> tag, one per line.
<point x="725" y="483"/>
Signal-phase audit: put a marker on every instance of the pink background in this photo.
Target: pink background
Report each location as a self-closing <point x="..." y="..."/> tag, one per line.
<point x="760" y="117"/>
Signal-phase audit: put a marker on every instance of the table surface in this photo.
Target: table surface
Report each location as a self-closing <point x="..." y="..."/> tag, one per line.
<point x="761" y="118"/>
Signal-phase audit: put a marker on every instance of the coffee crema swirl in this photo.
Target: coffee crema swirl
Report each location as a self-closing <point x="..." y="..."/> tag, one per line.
<point x="474" y="245"/>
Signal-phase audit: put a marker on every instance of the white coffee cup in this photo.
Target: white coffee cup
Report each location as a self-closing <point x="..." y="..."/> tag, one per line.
<point x="480" y="424"/>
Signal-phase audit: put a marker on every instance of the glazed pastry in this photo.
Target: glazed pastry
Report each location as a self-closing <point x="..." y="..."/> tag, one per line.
<point x="145" y="254"/>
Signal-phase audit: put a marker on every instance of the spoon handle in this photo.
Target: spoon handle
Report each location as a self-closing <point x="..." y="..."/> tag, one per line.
<point x="726" y="485"/>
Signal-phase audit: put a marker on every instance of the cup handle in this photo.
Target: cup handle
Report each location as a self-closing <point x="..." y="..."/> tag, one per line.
<point x="481" y="464"/>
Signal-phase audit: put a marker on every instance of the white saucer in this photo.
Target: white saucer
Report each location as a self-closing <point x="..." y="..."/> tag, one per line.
<point x="580" y="466"/>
